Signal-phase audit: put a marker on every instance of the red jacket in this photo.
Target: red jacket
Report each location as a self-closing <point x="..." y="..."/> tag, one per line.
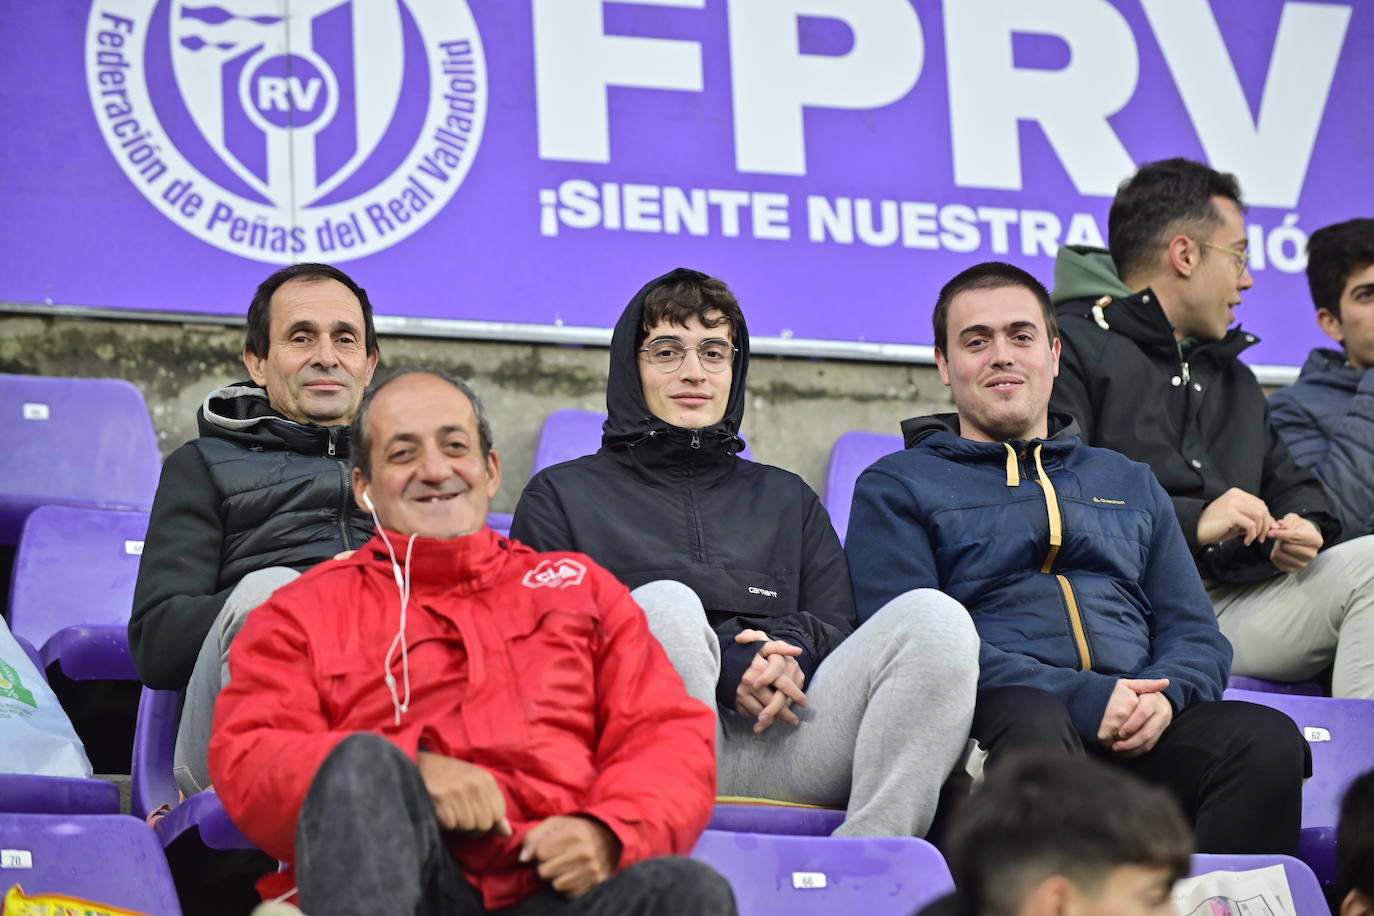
<point x="536" y="666"/>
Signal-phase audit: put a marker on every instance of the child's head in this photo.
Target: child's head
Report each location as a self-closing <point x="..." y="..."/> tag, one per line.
<point x="1355" y="847"/>
<point x="1056" y="836"/>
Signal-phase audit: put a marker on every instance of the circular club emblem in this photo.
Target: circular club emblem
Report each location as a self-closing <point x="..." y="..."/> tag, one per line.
<point x="323" y="135"/>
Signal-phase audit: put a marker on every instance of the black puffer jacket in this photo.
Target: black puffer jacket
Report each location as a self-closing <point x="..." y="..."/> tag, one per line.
<point x="663" y="502"/>
<point x="1198" y="417"/>
<point x="255" y="490"/>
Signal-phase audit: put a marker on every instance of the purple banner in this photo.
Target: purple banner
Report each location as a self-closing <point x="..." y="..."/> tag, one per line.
<point x="834" y="160"/>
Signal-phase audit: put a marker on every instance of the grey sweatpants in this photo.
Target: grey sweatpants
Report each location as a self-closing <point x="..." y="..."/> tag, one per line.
<point x="1290" y="627"/>
<point x="888" y="719"/>
<point x="211" y="673"/>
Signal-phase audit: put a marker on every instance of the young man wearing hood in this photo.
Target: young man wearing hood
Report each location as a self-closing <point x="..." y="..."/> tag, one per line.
<point x="261" y="496"/>
<point x="756" y="612"/>
<point x="1152" y="369"/>
<point x="1327" y="417"/>
<point x="446" y="722"/>
<point x="1097" y="634"/>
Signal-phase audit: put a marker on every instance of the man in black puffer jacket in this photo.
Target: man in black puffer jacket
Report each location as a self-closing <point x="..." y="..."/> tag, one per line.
<point x="261" y="496"/>
<point x="758" y="615"/>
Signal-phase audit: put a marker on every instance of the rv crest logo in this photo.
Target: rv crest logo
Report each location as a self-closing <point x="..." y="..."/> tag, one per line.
<point x="314" y="130"/>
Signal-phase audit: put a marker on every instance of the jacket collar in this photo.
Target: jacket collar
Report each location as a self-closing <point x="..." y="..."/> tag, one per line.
<point x="464" y="564"/>
<point x="1063" y="428"/>
<point x="241" y="413"/>
<point x="1329" y="367"/>
<point x="1140" y="317"/>
<point x="631" y="428"/>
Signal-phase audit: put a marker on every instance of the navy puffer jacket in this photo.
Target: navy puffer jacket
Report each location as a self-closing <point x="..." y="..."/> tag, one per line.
<point x="1068" y="558"/>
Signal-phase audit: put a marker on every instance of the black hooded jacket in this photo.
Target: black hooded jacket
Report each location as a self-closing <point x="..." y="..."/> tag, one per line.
<point x="663" y="502"/>
<point x="1198" y="418"/>
<point x="255" y="490"/>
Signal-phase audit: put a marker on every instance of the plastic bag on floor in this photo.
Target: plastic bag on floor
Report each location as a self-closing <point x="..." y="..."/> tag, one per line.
<point x="36" y="734"/>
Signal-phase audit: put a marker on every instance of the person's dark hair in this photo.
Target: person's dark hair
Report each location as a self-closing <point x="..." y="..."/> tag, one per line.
<point x="259" y="337"/>
<point x="989" y="275"/>
<point x="1161" y="200"/>
<point x="1333" y="254"/>
<point x="1041" y="815"/>
<point x="1355" y="837"/>
<point x="676" y="301"/>
<point x="360" y="442"/>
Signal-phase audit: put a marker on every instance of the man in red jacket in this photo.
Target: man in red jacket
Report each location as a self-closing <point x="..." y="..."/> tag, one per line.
<point x="447" y="721"/>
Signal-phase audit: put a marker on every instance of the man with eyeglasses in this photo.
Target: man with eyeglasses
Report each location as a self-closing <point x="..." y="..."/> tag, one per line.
<point x="1151" y="368"/>
<point x="744" y="581"/>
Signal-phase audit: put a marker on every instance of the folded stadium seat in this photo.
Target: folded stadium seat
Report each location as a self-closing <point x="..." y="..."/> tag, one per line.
<point x="736" y="814"/>
<point x="21" y="793"/>
<point x="73" y="588"/>
<point x="112" y="859"/>
<point x="1341" y="736"/>
<point x="805" y="875"/>
<point x="569" y="434"/>
<point x="851" y="455"/>
<point x="1302" y="688"/>
<point x="75" y="442"/>
<point x="1302" y="883"/>
<point x="196" y="824"/>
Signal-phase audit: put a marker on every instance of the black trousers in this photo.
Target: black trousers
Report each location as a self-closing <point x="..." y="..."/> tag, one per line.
<point x="1235" y="768"/>
<point x="368" y="842"/>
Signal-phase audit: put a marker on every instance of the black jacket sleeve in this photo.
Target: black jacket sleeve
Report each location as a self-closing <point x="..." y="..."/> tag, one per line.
<point x="540" y="521"/>
<point x="177" y="596"/>
<point x="1285" y="488"/>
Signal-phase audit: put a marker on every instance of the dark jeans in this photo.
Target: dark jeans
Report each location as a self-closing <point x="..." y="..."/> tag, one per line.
<point x="1235" y="768"/>
<point x="368" y="842"/>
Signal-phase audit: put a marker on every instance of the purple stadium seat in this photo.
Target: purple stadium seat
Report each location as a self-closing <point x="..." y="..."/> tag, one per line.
<point x="499" y="522"/>
<point x="25" y="794"/>
<point x="806" y="875"/>
<point x="852" y="454"/>
<point x="32" y="653"/>
<point x="107" y="858"/>
<point x="154" y="784"/>
<point x="791" y="820"/>
<point x="569" y="434"/>
<point x="1307" y="894"/>
<point x="73" y="588"/>
<point x="1341" y="736"/>
<point x="1302" y="688"/>
<point x="75" y="442"/>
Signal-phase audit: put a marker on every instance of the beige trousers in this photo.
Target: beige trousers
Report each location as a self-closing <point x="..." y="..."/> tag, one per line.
<point x="1290" y="627"/>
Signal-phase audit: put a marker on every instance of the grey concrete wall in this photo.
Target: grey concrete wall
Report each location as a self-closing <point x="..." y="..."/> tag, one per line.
<point x="796" y="410"/>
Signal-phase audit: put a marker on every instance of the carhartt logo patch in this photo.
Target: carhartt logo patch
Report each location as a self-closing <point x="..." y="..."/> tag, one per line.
<point x="1114" y="502"/>
<point x="765" y="592"/>
<point x="555" y="574"/>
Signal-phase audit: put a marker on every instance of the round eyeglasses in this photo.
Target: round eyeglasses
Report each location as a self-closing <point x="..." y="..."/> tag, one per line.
<point x="667" y="354"/>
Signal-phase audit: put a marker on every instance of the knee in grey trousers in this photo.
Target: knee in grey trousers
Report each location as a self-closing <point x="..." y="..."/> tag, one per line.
<point x="211" y="673"/>
<point x="888" y="717"/>
<point x="368" y="842"/>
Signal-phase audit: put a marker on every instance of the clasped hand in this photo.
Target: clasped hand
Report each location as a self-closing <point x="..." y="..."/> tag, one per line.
<point x="772" y="682"/>
<point x="1136" y="715"/>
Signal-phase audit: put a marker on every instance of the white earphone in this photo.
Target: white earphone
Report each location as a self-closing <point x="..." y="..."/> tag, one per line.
<point x="367" y="501"/>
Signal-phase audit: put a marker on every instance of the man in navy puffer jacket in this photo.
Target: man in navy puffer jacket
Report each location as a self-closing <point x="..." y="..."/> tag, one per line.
<point x="1096" y="631"/>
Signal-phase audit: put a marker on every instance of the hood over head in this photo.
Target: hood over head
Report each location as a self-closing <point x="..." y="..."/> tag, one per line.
<point x="629" y="422"/>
